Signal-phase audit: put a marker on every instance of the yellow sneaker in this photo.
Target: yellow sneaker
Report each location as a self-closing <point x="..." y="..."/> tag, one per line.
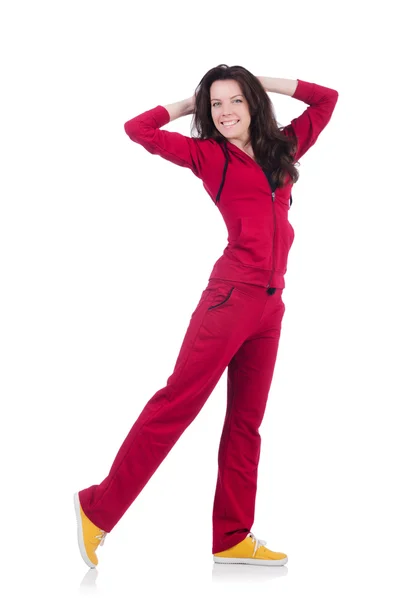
<point x="89" y="535"/>
<point x="251" y="551"/>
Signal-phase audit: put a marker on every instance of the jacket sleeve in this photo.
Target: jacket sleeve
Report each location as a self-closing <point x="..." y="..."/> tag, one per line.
<point x="308" y="126"/>
<point x="179" y="149"/>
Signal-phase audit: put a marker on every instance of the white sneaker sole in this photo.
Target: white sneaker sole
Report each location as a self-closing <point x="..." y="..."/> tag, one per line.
<point x="251" y="561"/>
<point x="80" y="538"/>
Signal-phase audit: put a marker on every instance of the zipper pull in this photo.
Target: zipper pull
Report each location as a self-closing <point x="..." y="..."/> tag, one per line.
<point x="273" y="196"/>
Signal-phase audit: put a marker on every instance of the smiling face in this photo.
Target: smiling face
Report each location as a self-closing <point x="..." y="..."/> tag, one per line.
<point x="228" y="105"/>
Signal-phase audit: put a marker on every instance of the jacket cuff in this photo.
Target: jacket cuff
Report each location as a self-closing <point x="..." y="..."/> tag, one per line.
<point x="304" y="91"/>
<point x="160" y="115"/>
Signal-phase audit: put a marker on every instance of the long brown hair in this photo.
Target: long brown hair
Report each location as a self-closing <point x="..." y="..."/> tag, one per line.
<point x="273" y="150"/>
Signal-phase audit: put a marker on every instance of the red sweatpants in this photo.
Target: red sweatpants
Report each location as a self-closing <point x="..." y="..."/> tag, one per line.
<point x="235" y="325"/>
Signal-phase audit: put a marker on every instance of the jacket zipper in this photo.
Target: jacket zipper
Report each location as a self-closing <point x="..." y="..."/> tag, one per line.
<point x="274" y="230"/>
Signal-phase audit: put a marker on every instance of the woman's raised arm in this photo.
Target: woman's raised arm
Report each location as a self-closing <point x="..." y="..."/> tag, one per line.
<point x="185" y="151"/>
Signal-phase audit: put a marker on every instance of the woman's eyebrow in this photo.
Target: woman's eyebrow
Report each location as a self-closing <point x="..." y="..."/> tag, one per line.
<point x="212" y="99"/>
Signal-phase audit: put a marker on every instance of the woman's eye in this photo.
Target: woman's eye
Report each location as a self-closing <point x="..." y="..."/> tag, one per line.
<point x="236" y="100"/>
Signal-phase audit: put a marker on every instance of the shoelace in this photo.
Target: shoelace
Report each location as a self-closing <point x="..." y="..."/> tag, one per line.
<point x="257" y="541"/>
<point x="101" y="537"/>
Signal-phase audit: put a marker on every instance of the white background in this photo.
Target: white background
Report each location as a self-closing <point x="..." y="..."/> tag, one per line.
<point x="105" y="250"/>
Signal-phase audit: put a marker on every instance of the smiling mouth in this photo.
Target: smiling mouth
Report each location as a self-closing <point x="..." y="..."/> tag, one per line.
<point x="229" y="126"/>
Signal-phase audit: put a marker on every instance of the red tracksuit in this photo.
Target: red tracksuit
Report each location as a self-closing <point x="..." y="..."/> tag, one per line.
<point x="235" y="325"/>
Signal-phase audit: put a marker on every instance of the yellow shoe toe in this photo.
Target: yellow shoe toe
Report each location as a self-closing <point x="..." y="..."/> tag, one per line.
<point x="89" y="536"/>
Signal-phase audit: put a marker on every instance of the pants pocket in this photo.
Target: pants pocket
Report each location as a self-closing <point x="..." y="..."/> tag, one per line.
<point x="222" y="296"/>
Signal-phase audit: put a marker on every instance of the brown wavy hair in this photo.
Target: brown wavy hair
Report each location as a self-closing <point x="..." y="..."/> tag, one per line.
<point x="273" y="150"/>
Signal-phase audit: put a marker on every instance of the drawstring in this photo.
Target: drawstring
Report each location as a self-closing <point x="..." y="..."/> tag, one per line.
<point x="226" y="153"/>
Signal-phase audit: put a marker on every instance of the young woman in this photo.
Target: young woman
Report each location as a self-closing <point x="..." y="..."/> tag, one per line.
<point x="246" y="163"/>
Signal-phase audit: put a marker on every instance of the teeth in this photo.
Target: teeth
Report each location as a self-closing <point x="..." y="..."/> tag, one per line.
<point x="229" y="123"/>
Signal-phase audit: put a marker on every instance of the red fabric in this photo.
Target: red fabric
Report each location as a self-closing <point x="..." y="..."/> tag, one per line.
<point x="259" y="232"/>
<point x="234" y="326"/>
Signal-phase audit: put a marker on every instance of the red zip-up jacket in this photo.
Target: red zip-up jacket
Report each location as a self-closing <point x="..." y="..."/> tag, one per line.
<point x="255" y="213"/>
